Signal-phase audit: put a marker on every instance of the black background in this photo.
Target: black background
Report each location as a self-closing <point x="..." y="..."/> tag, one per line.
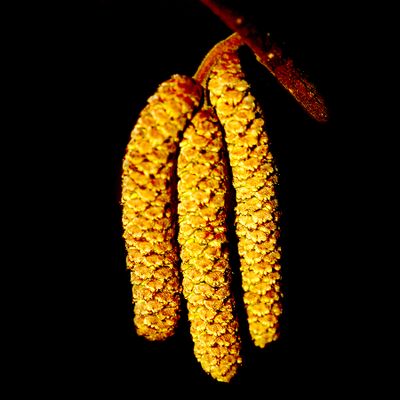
<point x="92" y="66"/>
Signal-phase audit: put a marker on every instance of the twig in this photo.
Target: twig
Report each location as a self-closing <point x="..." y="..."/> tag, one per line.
<point x="271" y="56"/>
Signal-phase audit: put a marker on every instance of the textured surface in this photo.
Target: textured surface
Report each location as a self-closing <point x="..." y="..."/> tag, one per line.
<point x="255" y="180"/>
<point x="149" y="206"/>
<point x="202" y="191"/>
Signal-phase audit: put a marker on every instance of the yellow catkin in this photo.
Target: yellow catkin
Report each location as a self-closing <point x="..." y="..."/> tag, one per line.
<point x="149" y="206"/>
<point x="202" y="190"/>
<point x="254" y="179"/>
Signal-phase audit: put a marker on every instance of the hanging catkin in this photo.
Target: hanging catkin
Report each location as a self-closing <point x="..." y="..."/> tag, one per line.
<point x="255" y="180"/>
<point x="202" y="191"/>
<point x="149" y="206"/>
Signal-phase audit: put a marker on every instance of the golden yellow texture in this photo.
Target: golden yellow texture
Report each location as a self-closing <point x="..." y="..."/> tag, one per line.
<point x="202" y="191"/>
<point x="149" y="205"/>
<point x="255" y="180"/>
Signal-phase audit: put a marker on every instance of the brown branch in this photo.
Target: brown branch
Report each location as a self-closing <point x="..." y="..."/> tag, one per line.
<point x="271" y="56"/>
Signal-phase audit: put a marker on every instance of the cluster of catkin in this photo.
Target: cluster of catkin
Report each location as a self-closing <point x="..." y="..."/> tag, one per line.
<point x="193" y="142"/>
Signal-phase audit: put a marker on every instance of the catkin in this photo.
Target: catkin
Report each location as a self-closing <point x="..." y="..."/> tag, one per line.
<point x="255" y="181"/>
<point x="149" y="206"/>
<point x="202" y="191"/>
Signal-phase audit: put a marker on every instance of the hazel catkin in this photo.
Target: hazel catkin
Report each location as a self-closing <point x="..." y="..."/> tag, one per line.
<point x="202" y="191"/>
<point x="149" y="205"/>
<point x="255" y="179"/>
<point x="183" y="152"/>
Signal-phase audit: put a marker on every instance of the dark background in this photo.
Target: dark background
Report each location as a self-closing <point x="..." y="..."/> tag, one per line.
<point x="92" y="66"/>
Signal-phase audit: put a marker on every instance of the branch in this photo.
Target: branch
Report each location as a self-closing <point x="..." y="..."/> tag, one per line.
<point x="271" y="56"/>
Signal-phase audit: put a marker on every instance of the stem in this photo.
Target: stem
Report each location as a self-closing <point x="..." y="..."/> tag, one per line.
<point x="231" y="43"/>
<point x="271" y="56"/>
